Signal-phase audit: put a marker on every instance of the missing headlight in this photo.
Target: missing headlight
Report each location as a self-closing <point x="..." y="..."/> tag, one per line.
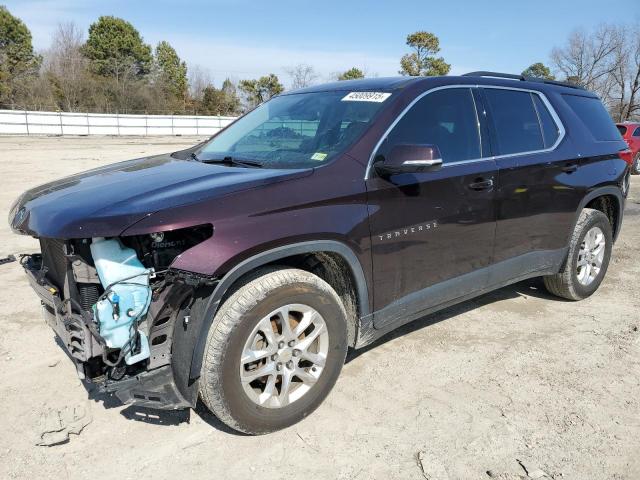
<point x="158" y="250"/>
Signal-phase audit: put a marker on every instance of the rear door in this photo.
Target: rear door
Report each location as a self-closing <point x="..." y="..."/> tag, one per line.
<point x="431" y="227"/>
<point x="536" y="195"/>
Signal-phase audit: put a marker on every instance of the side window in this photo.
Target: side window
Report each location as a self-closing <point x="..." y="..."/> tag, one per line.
<point x="445" y="118"/>
<point x="595" y="117"/>
<point x="550" y="130"/>
<point x="636" y="132"/>
<point x="515" y="121"/>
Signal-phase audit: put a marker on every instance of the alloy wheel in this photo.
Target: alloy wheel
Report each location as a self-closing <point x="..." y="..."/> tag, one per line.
<point x="591" y="256"/>
<point x="284" y="356"/>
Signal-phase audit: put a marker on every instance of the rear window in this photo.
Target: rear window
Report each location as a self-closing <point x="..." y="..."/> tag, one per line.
<point x="622" y="129"/>
<point x="594" y="116"/>
<point x="515" y="120"/>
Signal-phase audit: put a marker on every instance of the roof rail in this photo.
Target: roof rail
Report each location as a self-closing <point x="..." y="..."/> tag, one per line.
<point x="522" y="78"/>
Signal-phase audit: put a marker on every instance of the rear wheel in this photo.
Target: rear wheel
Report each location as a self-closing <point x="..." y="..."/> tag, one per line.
<point x="274" y="351"/>
<point x="635" y="167"/>
<point x="587" y="260"/>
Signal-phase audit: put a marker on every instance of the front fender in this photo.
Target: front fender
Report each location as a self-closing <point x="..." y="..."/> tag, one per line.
<point x="209" y="307"/>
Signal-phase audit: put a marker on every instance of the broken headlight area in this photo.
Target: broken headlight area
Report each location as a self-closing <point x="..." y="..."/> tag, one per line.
<point x="113" y="303"/>
<point x="158" y="250"/>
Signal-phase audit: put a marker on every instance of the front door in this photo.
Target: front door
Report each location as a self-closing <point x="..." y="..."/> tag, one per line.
<point x="433" y="232"/>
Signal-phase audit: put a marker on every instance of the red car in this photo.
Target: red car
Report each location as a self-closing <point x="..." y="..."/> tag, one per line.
<point x="630" y="131"/>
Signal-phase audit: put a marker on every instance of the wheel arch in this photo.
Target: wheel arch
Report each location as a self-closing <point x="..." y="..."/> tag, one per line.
<point x="301" y="255"/>
<point x="609" y="201"/>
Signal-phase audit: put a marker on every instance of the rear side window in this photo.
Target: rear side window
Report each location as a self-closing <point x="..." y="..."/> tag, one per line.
<point x="515" y="121"/>
<point x="445" y="118"/>
<point x="622" y="129"/>
<point x="550" y="130"/>
<point x="594" y="116"/>
<point x="636" y="132"/>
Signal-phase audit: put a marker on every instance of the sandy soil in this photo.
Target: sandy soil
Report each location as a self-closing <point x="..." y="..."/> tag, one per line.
<point x="513" y="382"/>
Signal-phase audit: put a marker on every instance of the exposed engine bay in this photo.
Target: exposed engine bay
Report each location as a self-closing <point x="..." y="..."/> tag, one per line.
<point x="113" y="303"/>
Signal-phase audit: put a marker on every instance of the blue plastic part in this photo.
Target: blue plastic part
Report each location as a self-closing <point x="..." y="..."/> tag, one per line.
<point x="127" y="279"/>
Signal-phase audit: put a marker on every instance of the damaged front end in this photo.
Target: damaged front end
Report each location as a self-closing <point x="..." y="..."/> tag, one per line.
<point x="115" y="304"/>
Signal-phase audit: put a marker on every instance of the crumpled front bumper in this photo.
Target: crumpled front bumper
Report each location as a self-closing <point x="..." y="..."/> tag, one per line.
<point x="155" y="389"/>
<point x="152" y="388"/>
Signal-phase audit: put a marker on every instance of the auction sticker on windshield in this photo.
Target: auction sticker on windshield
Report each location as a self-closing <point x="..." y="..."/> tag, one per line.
<point x="378" y="97"/>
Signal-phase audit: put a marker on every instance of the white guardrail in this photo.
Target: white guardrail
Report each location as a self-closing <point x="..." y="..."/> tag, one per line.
<point x="22" y="122"/>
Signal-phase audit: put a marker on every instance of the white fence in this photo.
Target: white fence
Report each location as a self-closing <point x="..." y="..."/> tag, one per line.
<point x="21" y="122"/>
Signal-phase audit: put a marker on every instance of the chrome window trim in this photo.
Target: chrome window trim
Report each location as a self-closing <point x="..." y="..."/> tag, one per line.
<point x="561" y="129"/>
<point x="478" y="124"/>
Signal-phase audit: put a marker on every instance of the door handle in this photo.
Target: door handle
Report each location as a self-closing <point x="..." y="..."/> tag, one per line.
<point x="481" y="184"/>
<point x="570" y="168"/>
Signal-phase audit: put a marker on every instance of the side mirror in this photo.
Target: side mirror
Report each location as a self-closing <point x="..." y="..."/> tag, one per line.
<point x="409" y="159"/>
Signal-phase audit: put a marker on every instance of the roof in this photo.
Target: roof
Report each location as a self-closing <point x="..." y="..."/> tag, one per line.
<point x="390" y="84"/>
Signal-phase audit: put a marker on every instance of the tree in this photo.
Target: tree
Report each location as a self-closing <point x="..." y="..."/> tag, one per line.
<point x="232" y="102"/>
<point x="538" y="70"/>
<point x="261" y="90"/>
<point x="220" y="102"/>
<point x="422" y="62"/>
<point x="172" y="71"/>
<point x="626" y="76"/>
<point x="352" y="74"/>
<point x="587" y="58"/>
<point x="18" y="62"/>
<point x="606" y="61"/>
<point x="66" y="68"/>
<point x="301" y="76"/>
<point x="115" y="49"/>
<point x="199" y="79"/>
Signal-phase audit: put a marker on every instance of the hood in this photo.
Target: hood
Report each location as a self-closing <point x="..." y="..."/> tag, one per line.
<point x="108" y="200"/>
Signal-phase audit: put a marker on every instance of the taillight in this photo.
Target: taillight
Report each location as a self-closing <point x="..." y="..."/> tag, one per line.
<point x="626" y="155"/>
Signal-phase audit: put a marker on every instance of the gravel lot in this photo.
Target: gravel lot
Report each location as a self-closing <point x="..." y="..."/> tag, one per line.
<point x="513" y="382"/>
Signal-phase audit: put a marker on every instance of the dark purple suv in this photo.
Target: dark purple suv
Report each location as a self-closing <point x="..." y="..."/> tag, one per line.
<point x="241" y="270"/>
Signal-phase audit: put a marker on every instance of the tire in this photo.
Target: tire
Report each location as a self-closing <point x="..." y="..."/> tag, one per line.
<point x="258" y="304"/>
<point x="567" y="283"/>
<point x="635" y="166"/>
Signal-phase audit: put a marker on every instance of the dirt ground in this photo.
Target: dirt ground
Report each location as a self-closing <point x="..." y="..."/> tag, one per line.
<point x="515" y="384"/>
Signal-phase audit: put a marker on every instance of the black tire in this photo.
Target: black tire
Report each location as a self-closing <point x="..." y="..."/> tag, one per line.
<point x="264" y="291"/>
<point x="635" y="166"/>
<point x="565" y="284"/>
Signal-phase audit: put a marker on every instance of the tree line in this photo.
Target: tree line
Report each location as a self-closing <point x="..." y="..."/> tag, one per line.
<point x="113" y="70"/>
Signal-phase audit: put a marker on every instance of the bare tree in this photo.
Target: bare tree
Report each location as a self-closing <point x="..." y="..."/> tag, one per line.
<point x="606" y="61"/>
<point x="67" y="67"/>
<point x="627" y="76"/>
<point x="199" y="79"/>
<point x="301" y="75"/>
<point x="619" y="81"/>
<point x="588" y="58"/>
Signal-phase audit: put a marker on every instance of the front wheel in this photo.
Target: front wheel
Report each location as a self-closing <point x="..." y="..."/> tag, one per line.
<point x="274" y="351"/>
<point x="587" y="260"/>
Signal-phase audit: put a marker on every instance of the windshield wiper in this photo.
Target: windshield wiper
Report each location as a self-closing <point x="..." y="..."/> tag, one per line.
<point x="228" y="160"/>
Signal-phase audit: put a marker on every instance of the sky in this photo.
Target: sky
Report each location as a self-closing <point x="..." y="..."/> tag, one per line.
<point x="246" y="39"/>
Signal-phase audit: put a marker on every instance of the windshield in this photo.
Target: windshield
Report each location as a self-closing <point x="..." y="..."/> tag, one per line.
<point x="298" y="130"/>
